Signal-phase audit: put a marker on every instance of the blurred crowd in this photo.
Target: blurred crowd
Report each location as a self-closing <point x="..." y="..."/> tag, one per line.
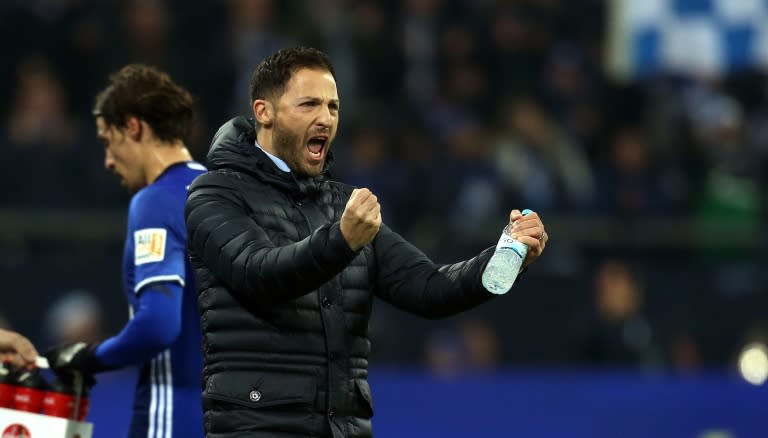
<point x="453" y="112"/>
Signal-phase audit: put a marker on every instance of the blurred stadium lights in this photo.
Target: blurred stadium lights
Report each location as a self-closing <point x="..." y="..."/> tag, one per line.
<point x="753" y="363"/>
<point x="646" y="37"/>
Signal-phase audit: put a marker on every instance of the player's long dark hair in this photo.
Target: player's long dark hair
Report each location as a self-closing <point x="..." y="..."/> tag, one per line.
<point x="149" y="94"/>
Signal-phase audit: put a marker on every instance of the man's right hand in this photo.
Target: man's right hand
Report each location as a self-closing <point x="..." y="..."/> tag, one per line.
<point x="361" y="219"/>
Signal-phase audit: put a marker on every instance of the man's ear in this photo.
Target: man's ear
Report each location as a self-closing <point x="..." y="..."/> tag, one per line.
<point x="263" y="111"/>
<point x="134" y="128"/>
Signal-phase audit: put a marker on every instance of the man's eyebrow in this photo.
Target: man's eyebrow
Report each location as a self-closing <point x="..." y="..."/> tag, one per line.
<point x="317" y="99"/>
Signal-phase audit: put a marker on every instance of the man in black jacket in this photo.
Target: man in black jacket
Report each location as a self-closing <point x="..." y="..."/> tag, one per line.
<point x="288" y="263"/>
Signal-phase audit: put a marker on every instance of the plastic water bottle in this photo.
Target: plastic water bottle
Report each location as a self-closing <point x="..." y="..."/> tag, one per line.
<point x="505" y="263"/>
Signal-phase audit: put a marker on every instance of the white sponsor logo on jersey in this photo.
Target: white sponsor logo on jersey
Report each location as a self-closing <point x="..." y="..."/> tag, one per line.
<point x="149" y="245"/>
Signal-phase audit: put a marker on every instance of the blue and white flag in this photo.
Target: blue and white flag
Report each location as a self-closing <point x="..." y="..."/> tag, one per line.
<point x="688" y="37"/>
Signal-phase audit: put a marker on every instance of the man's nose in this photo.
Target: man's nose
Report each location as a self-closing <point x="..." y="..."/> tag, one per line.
<point x="109" y="162"/>
<point x="326" y="117"/>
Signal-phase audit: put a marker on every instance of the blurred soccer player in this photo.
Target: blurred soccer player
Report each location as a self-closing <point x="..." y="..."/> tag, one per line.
<point x="142" y="118"/>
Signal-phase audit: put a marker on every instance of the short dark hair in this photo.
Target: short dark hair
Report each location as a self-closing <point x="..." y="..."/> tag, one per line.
<point x="149" y="94"/>
<point x="274" y="72"/>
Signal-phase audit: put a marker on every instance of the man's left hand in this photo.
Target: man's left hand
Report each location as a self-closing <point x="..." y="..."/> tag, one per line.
<point x="529" y="230"/>
<point x="77" y="356"/>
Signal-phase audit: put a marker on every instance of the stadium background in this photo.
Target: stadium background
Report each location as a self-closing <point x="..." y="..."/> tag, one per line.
<point x="649" y="177"/>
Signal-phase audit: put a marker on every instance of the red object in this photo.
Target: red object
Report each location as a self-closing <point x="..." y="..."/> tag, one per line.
<point x="61" y="398"/>
<point x="7" y="386"/>
<point x="84" y="402"/>
<point x="16" y="430"/>
<point x="58" y="404"/>
<point x="28" y="399"/>
<point x="84" y="405"/>
<point x="30" y="391"/>
<point x="6" y="395"/>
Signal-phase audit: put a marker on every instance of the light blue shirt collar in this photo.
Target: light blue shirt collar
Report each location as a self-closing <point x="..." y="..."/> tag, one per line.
<point x="278" y="162"/>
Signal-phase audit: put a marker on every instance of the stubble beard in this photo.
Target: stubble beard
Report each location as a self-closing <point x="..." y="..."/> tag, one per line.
<point x="289" y="148"/>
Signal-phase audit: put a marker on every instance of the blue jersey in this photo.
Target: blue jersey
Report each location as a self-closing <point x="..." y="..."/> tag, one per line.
<point x="168" y="392"/>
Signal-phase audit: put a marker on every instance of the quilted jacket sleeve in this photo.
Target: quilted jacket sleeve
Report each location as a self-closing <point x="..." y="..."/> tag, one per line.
<point x="239" y="253"/>
<point x="409" y="280"/>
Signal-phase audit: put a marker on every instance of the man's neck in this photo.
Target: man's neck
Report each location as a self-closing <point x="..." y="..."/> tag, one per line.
<point x="162" y="156"/>
<point x="264" y="135"/>
<point x="264" y="139"/>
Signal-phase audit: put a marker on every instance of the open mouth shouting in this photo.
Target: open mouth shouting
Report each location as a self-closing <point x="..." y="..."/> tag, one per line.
<point x="317" y="146"/>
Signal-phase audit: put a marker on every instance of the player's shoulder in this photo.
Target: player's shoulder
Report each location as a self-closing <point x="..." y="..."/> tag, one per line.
<point x="157" y="200"/>
<point x="151" y="194"/>
<point x="172" y="184"/>
<point x="181" y="174"/>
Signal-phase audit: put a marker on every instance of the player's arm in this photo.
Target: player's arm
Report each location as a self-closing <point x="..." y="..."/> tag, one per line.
<point x="155" y="326"/>
<point x="409" y="280"/>
<point x="241" y="255"/>
<point x="156" y="227"/>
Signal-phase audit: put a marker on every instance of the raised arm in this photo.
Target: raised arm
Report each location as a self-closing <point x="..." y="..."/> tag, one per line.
<point x="240" y="254"/>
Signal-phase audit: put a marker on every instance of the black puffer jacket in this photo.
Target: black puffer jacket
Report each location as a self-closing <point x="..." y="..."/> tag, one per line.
<point x="285" y="302"/>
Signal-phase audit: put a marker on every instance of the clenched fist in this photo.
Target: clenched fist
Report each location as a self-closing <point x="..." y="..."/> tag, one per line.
<point x="529" y="230"/>
<point x="361" y="218"/>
